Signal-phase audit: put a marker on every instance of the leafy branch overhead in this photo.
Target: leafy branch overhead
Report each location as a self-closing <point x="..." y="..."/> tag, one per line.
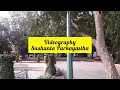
<point x="53" y="23"/>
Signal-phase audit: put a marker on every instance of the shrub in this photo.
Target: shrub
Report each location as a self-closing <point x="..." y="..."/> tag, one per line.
<point x="38" y="58"/>
<point x="6" y="67"/>
<point x="17" y="58"/>
<point x="46" y="58"/>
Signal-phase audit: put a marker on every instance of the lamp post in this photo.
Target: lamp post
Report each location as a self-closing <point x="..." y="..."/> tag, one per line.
<point x="69" y="55"/>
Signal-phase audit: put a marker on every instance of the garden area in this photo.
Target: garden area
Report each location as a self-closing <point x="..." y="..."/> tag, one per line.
<point x="17" y="63"/>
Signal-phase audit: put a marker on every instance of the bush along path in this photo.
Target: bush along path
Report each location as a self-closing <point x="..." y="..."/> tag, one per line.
<point x="6" y="67"/>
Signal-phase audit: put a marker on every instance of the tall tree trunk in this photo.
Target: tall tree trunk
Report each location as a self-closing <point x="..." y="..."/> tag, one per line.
<point x="107" y="59"/>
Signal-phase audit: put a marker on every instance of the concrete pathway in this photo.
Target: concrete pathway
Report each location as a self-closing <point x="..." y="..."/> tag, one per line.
<point x="81" y="70"/>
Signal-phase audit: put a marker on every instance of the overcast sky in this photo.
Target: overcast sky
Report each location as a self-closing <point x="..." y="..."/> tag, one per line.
<point x="4" y="14"/>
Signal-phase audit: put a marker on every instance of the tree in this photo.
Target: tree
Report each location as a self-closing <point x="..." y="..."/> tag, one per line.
<point x="6" y="61"/>
<point x="4" y="44"/>
<point x="102" y="50"/>
<point x="112" y="33"/>
<point x="49" y="24"/>
<point x="46" y="25"/>
<point x="21" y="22"/>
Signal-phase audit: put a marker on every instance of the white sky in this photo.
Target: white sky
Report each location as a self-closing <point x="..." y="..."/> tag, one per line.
<point x="4" y="14"/>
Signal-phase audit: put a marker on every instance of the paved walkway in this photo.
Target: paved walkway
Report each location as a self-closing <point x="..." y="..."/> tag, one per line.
<point x="81" y="70"/>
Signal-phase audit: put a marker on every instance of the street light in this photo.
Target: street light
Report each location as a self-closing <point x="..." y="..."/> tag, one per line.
<point x="69" y="55"/>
